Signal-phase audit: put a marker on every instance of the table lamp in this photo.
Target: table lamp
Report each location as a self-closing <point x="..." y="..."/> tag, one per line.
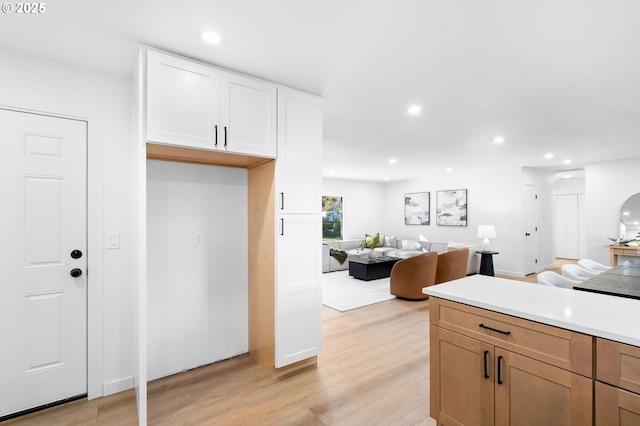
<point x="486" y="232"/>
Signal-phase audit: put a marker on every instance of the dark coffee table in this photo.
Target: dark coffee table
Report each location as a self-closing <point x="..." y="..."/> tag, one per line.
<point x="368" y="269"/>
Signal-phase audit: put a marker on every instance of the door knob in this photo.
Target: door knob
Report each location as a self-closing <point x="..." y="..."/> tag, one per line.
<point x="76" y="254"/>
<point x="75" y="272"/>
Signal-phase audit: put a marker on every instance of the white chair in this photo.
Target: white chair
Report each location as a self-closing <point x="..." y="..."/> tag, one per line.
<point x="592" y="265"/>
<point x="555" y="280"/>
<point x="577" y="273"/>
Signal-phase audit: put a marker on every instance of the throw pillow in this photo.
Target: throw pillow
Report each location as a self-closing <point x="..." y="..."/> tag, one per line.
<point x="410" y="245"/>
<point x="372" y="241"/>
<point x="391" y="241"/>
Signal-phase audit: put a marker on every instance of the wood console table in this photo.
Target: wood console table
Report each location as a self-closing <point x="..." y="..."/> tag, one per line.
<point x="616" y="250"/>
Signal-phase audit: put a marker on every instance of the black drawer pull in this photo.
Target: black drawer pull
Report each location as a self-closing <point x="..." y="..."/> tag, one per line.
<point x="506" y="333"/>
<point x="486" y="370"/>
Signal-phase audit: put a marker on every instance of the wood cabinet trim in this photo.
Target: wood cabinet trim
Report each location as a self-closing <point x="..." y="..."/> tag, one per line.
<point x="202" y="156"/>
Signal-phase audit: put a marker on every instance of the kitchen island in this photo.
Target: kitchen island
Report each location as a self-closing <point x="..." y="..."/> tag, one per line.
<point x="509" y="352"/>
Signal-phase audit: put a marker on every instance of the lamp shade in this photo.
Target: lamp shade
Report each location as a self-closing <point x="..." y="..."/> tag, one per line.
<point x="486" y="232"/>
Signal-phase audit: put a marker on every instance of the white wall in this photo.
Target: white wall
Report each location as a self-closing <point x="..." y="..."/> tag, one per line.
<point x="364" y="206"/>
<point x="607" y="186"/>
<point x="105" y="102"/>
<point x="197" y="294"/>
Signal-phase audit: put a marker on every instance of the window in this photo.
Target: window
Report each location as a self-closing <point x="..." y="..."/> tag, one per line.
<point x="331" y="217"/>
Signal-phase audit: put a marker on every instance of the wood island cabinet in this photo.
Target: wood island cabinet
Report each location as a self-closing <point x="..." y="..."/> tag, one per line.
<point x="489" y="368"/>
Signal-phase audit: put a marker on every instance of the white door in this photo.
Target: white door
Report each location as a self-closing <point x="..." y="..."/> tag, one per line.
<point x="247" y="115"/>
<point x="530" y="231"/>
<point x="299" y="162"/>
<point x="43" y="309"/>
<point x="298" y="288"/>
<point x="182" y="102"/>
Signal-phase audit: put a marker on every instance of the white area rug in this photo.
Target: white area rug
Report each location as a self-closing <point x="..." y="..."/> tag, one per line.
<point x="342" y="292"/>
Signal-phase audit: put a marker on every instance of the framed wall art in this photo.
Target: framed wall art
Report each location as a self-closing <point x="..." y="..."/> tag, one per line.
<point x="416" y="208"/>
<point x="451" y="207"/>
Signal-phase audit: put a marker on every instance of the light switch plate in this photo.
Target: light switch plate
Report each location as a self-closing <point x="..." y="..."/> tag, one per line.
<point x="112" y="240"/>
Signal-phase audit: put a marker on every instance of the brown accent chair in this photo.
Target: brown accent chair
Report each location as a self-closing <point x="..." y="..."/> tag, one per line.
<point x="409" y="276"/>
<point x="452" y="265"/>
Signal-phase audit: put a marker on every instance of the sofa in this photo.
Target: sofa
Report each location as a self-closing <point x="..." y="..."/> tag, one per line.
<point x="401" y="249"/>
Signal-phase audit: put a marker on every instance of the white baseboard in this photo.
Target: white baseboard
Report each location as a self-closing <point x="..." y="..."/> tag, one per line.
<point x="117" y="386"/>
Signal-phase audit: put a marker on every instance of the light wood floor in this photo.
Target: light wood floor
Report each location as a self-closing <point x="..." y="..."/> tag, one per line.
<point x="374" y="370"/>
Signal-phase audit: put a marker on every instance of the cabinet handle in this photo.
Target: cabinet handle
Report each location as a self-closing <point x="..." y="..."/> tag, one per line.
<point x="281" y="226"/>
<point x="486" y="369"/>
<point x="282" y="201"/>
<point x="225" y="136"/>
<point x="216" y="132"/>
<point x="500" y="370"/>
<point x="506" y="333"/>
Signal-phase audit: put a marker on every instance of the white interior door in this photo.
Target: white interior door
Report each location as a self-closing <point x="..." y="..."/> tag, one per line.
<point x="531" y="231"/>
<point x="43" y="308"/>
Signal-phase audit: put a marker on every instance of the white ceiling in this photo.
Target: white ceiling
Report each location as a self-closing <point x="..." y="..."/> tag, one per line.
<point x="559" y="76"/>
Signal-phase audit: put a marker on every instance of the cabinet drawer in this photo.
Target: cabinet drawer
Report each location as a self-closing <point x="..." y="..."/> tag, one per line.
<point x="563" y="348"/>
<point x="618" y="364"/>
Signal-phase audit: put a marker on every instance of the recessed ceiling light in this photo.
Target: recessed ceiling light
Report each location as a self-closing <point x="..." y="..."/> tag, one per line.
<point x="567" y="161"/>
<point x="548" y="155"/>
<point x="386" y="178"/>
<point x="625" y="213"/>
<point x="498" y="140"/>
<point x="448" y="169"/>
<point x="332" y="172"/>
<point x="392" y="161"/>
<point x="211" y="37"/>
<point x="414" y="109"/>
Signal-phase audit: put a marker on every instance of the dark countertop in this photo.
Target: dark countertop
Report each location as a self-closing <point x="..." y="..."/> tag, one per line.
<point x="621" y="281"/>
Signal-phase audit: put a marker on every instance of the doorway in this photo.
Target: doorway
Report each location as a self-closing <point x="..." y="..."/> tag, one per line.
<point x="43" y="296"/>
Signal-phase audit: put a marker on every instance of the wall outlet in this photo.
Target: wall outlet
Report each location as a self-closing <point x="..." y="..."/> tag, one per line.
<point x="198" y="238"/>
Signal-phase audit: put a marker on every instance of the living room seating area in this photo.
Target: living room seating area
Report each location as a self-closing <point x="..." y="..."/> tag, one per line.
<point x="336" y="254"/>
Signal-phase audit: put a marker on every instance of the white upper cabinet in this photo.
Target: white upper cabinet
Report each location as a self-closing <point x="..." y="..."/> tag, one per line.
<point x="182" y="101"/>
<point x="194" y="105"/>
<point x="299" y="163"/>
<point x="247" y="115"/>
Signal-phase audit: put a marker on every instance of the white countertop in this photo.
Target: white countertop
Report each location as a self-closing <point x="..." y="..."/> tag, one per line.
<point x="611" y="317"/>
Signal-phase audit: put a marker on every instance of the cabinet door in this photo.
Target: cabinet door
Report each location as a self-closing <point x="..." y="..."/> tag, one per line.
<point x="298" y="289"/>
<point x="618" y="364"/>
<point x="182" y="101"/>
<point x="616" y="406"/>
<point x="247" y="115"/>
<point x="299" y="162"/>
<point x="530" y="392"/>
<point x="462" y="379"/>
